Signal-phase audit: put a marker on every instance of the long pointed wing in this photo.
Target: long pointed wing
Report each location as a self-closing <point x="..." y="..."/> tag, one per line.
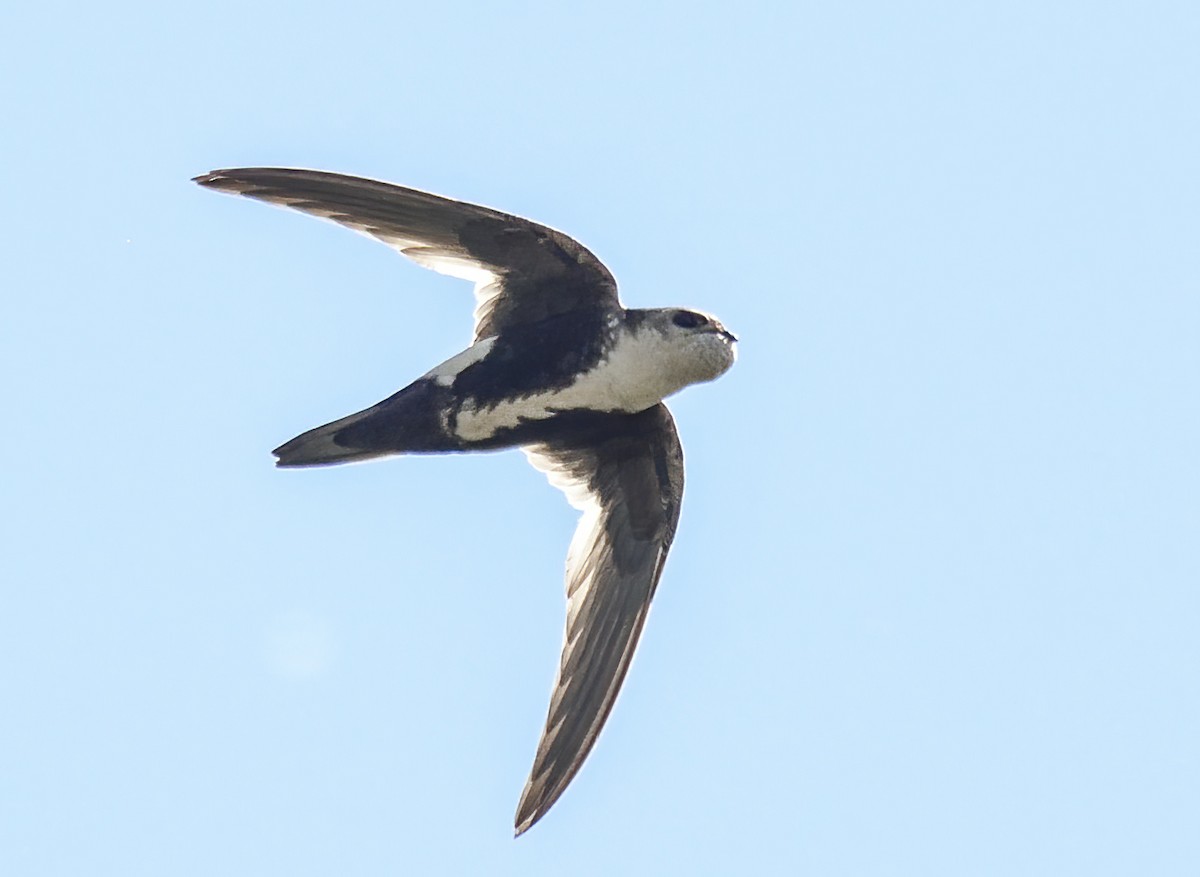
<point x="626" y="476"/>
<point x="523" y="271"/>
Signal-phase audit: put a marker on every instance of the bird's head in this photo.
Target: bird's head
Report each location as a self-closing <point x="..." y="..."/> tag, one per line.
<point x="701" y="348"/>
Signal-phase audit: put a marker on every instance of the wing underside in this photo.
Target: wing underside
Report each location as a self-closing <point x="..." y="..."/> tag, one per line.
<point x="626" y="476"/>
<point x="523" y="272"/>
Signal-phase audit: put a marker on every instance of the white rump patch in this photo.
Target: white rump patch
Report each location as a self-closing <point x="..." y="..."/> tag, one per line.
<point x="445" y="373"/>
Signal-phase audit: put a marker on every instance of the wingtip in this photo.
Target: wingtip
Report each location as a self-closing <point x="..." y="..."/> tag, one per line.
<point x="523" y="825"/>
<point x="218" y="179"/>
<point x="529" y="811"/>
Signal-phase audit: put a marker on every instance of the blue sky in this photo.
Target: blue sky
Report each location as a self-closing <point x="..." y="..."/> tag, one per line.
<point x="933" y="605"/>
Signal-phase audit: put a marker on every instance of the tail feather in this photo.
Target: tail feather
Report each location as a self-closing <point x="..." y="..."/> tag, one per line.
<point x="320" y="446"/>
<point x="411" y="421"/>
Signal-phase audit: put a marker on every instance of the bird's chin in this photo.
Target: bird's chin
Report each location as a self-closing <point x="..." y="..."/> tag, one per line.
<point x="715" y="356"/>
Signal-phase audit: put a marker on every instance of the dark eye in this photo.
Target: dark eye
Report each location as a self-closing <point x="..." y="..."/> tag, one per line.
<point x="688" y="320"/>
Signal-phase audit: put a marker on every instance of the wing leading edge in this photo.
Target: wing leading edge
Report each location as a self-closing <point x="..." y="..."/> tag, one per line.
<point x="523" y="272"/>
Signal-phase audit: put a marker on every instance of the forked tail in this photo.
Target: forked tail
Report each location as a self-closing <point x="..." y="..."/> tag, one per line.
<point x="411" y="421"/>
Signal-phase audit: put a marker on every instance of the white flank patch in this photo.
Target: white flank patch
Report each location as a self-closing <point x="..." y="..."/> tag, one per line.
<point x="445" y="373"/>
<point x="636" y="374"/>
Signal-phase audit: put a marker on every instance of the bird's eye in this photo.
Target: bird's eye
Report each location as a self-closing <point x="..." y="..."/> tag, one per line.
<point x="688" y="320"/>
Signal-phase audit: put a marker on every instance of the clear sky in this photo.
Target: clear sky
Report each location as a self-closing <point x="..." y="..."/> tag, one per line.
<point x="934" y="603"/>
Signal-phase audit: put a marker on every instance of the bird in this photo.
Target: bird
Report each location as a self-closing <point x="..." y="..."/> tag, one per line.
<point x="558" y="368"/>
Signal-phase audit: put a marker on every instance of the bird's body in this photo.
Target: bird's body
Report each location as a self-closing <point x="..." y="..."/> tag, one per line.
<point x="522" y="387"/>
<point x="558" y="368"/>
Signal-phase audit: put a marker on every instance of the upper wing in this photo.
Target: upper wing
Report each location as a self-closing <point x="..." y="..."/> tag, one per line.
<point x="626" y="476"/>
<point x="523" y="272"/>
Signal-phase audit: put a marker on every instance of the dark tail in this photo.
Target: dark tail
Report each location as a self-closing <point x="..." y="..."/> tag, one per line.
<point x="409" y="422"/>
<point x="320" y="446"/>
